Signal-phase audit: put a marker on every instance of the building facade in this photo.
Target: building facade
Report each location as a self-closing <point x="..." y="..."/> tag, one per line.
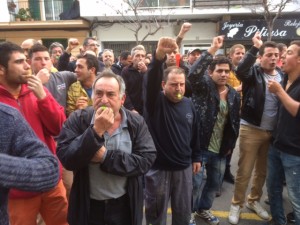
<point x="41" y="20"/>
<point x="115" y="22"/>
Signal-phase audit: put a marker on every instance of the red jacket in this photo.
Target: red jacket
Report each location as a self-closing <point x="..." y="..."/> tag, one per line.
<point x="45" y="117"/>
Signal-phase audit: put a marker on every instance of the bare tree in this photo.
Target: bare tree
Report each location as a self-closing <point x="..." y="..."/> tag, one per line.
<point x="271" y="10"/>
<point x="135" y="15"/>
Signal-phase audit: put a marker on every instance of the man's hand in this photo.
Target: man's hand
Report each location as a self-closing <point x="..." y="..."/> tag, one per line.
<point x="257" y="42"/>
<point x="142" y="67"/>
<point x="35" y="84"/>
<point x="134" y="111"/>
<point x="72" y="43"/>
<point x="97" y="158"/>
<point x="196" y="167"/>
<point x="184" y="29"/>
<point x="274" y="87"/>
<point x="104" y="119"/>
<point x="165" y="45"/>
<point x="44" y="75"/>
<point x="82" y="102"/>
<point x="239" y="88"/>
<point x="216" y="44"/>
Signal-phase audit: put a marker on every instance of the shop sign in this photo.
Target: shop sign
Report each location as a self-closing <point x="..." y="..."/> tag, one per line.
<point x="287" y="29"/>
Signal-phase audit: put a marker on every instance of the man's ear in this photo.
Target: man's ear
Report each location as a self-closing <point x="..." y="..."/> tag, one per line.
<point x="123" y="99"/>
<point x="163" y="84"/>
<point x="2" y="70"/>
<point x="209" y="72"/>
<point x="93" y="69"/>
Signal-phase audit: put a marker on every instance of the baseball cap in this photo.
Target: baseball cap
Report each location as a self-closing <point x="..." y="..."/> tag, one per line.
<point x="194" y="50"/>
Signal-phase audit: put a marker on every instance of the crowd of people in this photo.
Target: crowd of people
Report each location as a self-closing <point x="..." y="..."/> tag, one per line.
<point x="93" y="140"/>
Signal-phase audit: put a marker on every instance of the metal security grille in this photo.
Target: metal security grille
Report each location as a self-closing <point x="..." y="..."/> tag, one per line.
<point x="227" y="4"/>
<point x="118" y="47"/>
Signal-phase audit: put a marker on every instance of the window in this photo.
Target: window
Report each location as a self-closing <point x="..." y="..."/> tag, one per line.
<point x="165" y="3"/>
<point x="53" y="8"/>
<point x="46" y="9"/>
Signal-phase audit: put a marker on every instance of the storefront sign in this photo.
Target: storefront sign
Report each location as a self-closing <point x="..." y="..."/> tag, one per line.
<point x="287" y="29"/>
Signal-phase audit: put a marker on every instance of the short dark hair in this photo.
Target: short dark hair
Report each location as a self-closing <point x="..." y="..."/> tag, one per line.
<point x="86" y="40"/>
<point x="267" y="44"/>
<point x="6" y="50"/>
<point x="219" y="60"/>
<point x="37" y="48"/>
<point x="170" y="69"/>
<point x="124" y="55"/>
<point x="298" y="44"/>
<point x="91" y="61"/>
<point x="281" y="46"/>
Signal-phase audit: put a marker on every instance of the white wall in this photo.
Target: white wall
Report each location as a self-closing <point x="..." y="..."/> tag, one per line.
<point x="4" y="15"/>
<point x="199" y="33"/>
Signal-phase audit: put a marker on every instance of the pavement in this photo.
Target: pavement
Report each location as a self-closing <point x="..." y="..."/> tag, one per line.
<point x="221" y="204"/>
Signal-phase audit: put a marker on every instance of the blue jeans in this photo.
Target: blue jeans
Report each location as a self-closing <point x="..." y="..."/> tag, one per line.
<point x="215" y="168"/>
<point x="282" y="165"/>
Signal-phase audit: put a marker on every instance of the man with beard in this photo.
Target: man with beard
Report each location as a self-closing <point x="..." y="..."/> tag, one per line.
<point x="133" y="76"/>
<point x="108" y="58"/>
<point x="26" y="93"/>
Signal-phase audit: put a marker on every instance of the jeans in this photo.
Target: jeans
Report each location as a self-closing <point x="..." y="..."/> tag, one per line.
<point x="215" y="168"/>
<point x="161" y="185"/>
<point x="282" y="165"/>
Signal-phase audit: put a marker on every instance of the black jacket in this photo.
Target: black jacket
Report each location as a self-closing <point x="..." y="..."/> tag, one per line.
<point x="206" y="99"/>
<point x="117" y="68"/>
<point x="134" y="88"/>
<point x="287" y="132"/>
<point x="77" y="144"/>
<point x="254" y="87"/>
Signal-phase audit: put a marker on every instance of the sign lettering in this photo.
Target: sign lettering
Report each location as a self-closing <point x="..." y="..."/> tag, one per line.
<point x="245" y="29"/>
